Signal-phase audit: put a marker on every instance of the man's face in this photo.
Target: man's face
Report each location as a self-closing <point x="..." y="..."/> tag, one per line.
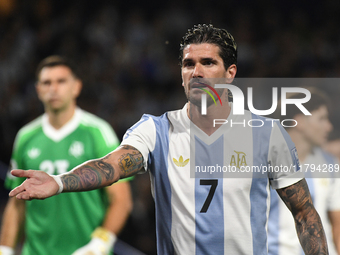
<point x="57" y="88"/>
<point x="202" y="61"/>
<point x="316" y="127"/>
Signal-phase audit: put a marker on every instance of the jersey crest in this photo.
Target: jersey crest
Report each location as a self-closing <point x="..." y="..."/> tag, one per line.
<point x="76" y="149"/>
<point x="238" y="159"/>
<point x="34" y="153"/>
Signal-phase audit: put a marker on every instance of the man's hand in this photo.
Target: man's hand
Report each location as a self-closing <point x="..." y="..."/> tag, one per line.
<point x="123" y="162"/>
<point x="38" y="185"/>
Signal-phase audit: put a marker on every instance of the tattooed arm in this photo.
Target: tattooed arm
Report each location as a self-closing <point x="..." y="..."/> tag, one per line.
<point x="93" y="174"/>
<point x="307" y="221"/>
<point x="123" y="162"/>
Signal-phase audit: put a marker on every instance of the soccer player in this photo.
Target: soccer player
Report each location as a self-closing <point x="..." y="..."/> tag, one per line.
<point x="200" y="215"/>
<point x="55" y="142"/>
<point x="333" y="143"/>
<point x="309" y="135"/>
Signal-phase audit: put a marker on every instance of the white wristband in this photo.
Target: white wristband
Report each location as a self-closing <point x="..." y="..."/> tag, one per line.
<point x="59" y="182"/>
<point x="6" y="250"/>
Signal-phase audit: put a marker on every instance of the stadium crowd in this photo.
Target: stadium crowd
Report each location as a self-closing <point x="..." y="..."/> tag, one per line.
<point x="127" y="54"/>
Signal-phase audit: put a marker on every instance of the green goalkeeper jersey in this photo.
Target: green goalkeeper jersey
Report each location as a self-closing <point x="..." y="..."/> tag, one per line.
<point x="61" y="224"/>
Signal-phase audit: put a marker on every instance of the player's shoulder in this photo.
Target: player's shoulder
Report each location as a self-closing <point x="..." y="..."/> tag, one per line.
<point x="167" y="119"/>
<point x="31" y="127"/>
<point x="151" y="123"/>
<point x="97" y="125"/>
<point x="28" y="131"/>
<point x="176" y="115"/>
<point x="264" y="123"/>
<point x="154" y="118"/>
<point x="92" y="121"/>
<point x="265" y="119"/>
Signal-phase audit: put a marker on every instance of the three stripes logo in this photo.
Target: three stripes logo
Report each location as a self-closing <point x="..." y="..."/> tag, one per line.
<point x="180" y="162"/>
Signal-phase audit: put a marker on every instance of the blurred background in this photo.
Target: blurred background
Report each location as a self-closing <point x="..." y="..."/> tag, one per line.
<point x="127" y="52"/>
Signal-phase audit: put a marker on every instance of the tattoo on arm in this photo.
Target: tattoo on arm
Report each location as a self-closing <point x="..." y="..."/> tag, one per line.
<point x="99" y="173"/>
<point x="307" y="221"/>
<point x="130" y="162"/>
<point x="91" y="175"/>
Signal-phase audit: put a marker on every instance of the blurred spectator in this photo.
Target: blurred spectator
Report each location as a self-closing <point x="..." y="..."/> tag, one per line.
<point x="333" y="144"/>
<point x="133" y="46"/>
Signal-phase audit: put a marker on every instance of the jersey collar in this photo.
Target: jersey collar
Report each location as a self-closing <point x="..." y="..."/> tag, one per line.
<point x="221" y="130"/>
<point x="59" y="134"/>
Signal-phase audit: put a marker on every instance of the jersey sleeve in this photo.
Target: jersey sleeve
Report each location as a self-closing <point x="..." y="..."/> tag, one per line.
<point x="142" y="136"/>
<point x="283" y="159"/>
<point x="105" y="139"/>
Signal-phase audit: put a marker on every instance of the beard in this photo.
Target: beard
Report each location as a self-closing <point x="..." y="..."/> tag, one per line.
<point x="194" y="94"/>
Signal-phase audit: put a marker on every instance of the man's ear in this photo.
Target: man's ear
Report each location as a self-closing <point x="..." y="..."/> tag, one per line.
<point x="37" y="89"/>
<point x="231" y="73"/>
<point x="77" y="88"/>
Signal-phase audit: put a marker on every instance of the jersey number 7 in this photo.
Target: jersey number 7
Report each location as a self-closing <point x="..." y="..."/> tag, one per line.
<point x="213" y="183"/>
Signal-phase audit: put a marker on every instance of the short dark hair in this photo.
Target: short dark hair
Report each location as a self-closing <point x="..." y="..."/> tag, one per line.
<point x="56" y="60"/>
<point x="209" y="34"/>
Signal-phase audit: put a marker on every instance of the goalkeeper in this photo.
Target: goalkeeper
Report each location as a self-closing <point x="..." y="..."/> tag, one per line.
<point x="62" y="138"/>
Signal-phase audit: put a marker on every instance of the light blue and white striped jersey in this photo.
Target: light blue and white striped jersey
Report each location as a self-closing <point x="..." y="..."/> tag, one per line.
<point x="325" y="193"/>
<point x="211" y="215"/>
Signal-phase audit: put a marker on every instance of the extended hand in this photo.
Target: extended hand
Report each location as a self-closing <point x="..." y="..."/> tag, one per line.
<point x="38" y="185"/>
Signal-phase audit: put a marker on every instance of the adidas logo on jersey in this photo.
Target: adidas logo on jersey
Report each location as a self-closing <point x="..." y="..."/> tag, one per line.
<point x="76" y="149"/>
<point x="180" y="161"/>
<point x="34" y="153"/>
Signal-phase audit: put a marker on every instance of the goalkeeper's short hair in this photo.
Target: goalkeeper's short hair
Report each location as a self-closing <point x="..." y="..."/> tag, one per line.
<point x="56" y="60"/>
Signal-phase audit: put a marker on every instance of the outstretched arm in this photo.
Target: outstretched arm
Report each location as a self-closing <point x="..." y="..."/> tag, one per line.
<point x="123" y="162"/>
<point x="307" y="221"/>
<point x="93" y="174"/>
